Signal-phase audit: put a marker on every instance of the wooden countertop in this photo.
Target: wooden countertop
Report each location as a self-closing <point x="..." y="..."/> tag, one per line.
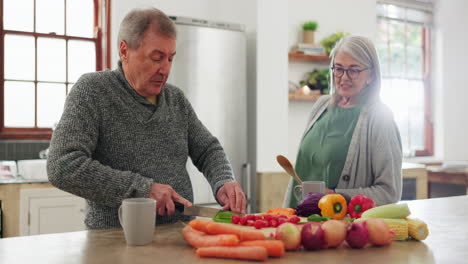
<point x="446" y="217"/>
<point x="19" y="179"/>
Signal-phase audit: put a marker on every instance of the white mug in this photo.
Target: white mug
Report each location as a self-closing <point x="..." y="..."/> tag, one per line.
<point x="138" y="218"/>
<point x="308" y="187"/>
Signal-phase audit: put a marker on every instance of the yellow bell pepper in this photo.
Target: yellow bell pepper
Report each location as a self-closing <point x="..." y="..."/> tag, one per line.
<point x="333" y="205"/>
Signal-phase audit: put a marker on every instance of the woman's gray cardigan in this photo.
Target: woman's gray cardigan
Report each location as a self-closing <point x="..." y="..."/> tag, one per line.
<point x="373" y="163"/>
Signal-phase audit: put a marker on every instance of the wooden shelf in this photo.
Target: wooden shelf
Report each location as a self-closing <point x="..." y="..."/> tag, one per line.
<point x="301" y="56"/>
<point x="304" y="97"/>
<point x="299" y="95"/>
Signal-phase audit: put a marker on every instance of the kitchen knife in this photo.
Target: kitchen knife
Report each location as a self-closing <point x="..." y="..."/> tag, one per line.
<point x="196" y="210"/>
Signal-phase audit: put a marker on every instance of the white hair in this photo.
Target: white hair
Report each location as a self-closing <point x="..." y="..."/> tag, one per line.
<point x="137" y="21"/>
<point x="363" y="50"/>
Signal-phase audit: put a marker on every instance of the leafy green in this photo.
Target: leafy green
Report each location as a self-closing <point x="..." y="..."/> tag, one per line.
<point x="318" y="218"/>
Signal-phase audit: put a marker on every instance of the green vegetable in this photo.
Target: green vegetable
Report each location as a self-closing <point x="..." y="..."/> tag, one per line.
<point x="223" y="217"/>
<point x="388" y="211"/>
<point x="318" y="218"/>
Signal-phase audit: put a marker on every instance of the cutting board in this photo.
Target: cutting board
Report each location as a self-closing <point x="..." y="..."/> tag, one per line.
<point x="268" y="231"/>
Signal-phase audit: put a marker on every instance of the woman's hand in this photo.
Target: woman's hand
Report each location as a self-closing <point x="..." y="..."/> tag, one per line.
<point x="329" y="191"/>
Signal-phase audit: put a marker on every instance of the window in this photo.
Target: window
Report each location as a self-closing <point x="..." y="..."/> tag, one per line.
<point x="403" y="44"/>
<point x="45" y="47"/>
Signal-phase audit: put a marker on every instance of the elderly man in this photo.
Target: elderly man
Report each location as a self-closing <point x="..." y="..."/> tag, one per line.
<point x="127" y="133"/>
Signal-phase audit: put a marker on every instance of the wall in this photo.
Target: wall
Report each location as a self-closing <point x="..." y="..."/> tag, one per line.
<point x="230" y="11"/>
<point x="332" y="16"/>
<point x="272" y="102"/>
<point x="450" y="80"/>
<point x="267" y="61"/>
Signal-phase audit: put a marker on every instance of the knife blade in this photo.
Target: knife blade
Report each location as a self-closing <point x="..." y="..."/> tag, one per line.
<point x="196" y="210"/>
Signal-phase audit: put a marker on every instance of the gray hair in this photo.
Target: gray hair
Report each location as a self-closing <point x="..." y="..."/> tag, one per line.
<point x="137" y="21"/>
<point x="363" y="50"/>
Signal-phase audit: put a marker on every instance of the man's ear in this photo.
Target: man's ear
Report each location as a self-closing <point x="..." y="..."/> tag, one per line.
<point x="123" y="50"/>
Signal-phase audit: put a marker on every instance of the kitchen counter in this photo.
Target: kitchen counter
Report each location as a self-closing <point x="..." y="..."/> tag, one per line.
<point x="446" y="218"/>
<point x="20" y="179"/>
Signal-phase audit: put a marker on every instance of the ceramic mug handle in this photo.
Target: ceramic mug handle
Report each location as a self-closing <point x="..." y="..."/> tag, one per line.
<point x="298" y="196"/>
<point x="120" y="215"/>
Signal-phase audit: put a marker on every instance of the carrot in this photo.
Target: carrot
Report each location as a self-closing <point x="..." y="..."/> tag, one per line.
<point x="199" y="239"/>
<point x="199" y="225"/>
<point x="248" y="253"/>
<point x="193" y="230"/>
<point x="275" y="248"/>
<point x="244" y="235"/>
<point x="289" y="212"/>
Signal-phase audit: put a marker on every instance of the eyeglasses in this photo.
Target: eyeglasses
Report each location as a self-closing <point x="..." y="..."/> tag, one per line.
<point x="353" y="74"/>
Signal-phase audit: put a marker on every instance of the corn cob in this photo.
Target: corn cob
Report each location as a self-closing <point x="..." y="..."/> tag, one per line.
<point x="417" y="229"/>
<point x="388" y="211"/>
<point x="398" y="226"/>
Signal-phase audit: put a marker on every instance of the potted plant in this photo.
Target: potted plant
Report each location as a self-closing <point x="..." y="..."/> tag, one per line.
<point x="329" y="42"/>
<point x="317" y="80"/>
<point x="309" y="28"/>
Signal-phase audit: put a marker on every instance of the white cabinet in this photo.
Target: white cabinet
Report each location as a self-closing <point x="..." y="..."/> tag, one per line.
<point x="50" y="210"/>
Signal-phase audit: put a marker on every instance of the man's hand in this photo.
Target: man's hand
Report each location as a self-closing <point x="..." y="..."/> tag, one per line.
<point x="165" y="197"/>
<point x="232" y="197"/>
<point x="329" y="191"/>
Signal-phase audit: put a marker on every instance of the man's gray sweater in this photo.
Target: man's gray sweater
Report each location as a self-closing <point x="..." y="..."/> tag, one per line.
<point x="112" y="144"/>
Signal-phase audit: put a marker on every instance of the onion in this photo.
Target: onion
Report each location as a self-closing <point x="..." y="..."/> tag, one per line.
<point x="313" y="236"/>
<point x="357" y="235"/>
<point x="379" y="233"/>
<point x="335" y="232"/>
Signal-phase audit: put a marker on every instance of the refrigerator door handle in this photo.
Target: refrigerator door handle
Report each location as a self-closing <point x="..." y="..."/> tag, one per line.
<point x="246" y="184"/>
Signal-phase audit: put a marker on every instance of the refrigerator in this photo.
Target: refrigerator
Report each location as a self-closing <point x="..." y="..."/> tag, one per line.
<point x="210" y="67"/>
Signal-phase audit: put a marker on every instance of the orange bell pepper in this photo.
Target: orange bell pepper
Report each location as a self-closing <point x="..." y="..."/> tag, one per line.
<point x="333" y="205"/>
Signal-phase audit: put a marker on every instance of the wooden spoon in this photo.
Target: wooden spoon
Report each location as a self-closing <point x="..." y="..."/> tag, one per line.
<point x="288" y="167"/>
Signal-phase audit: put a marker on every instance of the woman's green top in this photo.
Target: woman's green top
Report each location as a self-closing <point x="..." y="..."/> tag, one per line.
<point x="324" y="148"/>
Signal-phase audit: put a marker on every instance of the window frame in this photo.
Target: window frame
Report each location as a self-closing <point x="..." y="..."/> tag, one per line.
<point x="427" y="77"/>
<point x="428" y="126"/>
<point x="101" y="38"/>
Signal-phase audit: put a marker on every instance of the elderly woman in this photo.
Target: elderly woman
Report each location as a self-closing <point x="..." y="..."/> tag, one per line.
<point x="351" y="141"/>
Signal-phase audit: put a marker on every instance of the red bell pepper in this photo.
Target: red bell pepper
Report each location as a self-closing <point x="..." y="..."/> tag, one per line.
<point x="359" y="204"/>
